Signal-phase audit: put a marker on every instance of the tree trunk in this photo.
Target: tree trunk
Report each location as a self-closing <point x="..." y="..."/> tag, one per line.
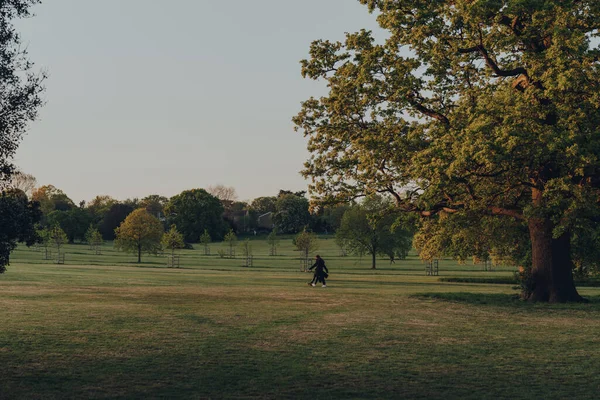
<point x="139" y="253"/>
<point x="374" y="264"/>
<point x="552" y="268"/>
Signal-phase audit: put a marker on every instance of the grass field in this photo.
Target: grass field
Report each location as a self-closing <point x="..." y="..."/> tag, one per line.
<point x="105" y="327"/>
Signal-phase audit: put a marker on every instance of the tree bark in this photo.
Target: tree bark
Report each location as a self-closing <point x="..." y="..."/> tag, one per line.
<point x="139" y="253"/>
<point x="552" y="268"/>
<point x="374" y="264"/>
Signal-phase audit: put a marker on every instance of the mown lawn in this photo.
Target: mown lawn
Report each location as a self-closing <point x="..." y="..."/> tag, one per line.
<point x="215" y="329"/>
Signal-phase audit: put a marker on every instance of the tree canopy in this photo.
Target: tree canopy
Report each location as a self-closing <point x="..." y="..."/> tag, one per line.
<point x="51" y="199"/>
<point x="467" y="110"/>
<point x="20" y="100"/>
<point x="194" y="211"/>
<point x="140" y="232"/>
<point x="172" y="240"/>
<point x="112" y="218"/>
<point x="370" y="228"/>
<point x="291" y="214"/>
<point x="20" y="85"/>
<point x="73" y="222"/>
<point x="154" y="204"/>
<point x="263" y="205"/>
<point x="18" y="216"/>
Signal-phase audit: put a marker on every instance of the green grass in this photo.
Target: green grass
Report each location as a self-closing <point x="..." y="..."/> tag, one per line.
<point x="105" y="327"/>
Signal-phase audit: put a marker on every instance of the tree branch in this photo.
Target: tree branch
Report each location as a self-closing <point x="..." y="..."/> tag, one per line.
<point x="491" y="63"/>
<point x="426" y="111"/>
<point x="508" y="212"/>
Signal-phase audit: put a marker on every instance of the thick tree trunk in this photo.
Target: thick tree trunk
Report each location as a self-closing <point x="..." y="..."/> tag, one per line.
<point x="552" y="268"/>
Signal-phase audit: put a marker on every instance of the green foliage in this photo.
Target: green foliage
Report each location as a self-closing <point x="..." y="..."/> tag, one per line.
<point x="113" y="218"/>
<point x="273" y="241"/>
<point x="89" y="234"/>
<point x="18" y="217"/>
<point x="586" y="248"/>
<point x="154" y="204"/>
<point x="44" y="237"/>
<point x="467" y="235"/>
<point x="100" y="206"/>
<point x="21" y="89"/>
<point x="205" y="238"/>
<point x="231" y="240"/>
<point x="329" y="218"/>
<point x="263" y="205"/>
<point x="172" y="240"/>
<point x="74" y="222"/>
<point x="140" y="232"/>
<point x="493" y="112"/>
<point x="291" y="214"/>
<point x="306" y="243"/>
<point x="94" y="238"/>
<point x="57" y="237"/>
<point x="373" y="228"/>
<point x="205" y="241"/>
<point x="52" y="199"/>
<point x="194" y="211"/>
<point x="246" y="246"/>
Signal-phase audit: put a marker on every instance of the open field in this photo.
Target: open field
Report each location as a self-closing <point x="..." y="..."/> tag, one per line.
<point x="104" y="327"/>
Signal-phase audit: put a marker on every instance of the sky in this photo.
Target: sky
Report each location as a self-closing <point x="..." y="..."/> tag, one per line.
<point x="156" y="97"/>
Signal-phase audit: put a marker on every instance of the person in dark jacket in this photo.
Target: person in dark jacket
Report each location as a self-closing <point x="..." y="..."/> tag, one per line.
<point x="321" y="271"/>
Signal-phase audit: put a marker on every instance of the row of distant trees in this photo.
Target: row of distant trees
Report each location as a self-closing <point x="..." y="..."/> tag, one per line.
<point x="371" y="226"/>
<point x="215" y="210"/>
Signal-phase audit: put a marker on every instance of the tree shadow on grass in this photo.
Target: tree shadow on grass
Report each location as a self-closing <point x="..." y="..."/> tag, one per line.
<point x="504" y="300"/>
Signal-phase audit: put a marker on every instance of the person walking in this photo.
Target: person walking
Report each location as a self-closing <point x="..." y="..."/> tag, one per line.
<point x="321" y="271"/>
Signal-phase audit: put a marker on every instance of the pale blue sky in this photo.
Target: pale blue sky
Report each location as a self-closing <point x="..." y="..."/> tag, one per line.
<point x="149" y="96"/>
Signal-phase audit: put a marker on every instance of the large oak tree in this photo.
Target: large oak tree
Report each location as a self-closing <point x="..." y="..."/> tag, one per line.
<point x="485" y="109"/>
<point x="20" y="89"/>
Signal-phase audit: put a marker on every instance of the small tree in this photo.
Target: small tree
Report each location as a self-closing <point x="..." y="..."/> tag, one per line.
<point x="306" y="242"/>
<point x="370" y="228"/>
<point x="173" y="240"/>
<point x="140" y="232"/>
<point x="231" y="240"/>
<point x="94" y="239"/>
<point x="45" y="241"/>
<point x="97" y="241"/>
<point x="58" y="238"/>
<point x="88" y="236"/>
<point x="341" y="242"/>
<point x="247" y="252"/>
<point x="273" y="241"/>
<point x="205" y="240"/>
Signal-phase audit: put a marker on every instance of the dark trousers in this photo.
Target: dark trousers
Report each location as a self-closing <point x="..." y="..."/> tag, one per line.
<point x="318" y="278"/>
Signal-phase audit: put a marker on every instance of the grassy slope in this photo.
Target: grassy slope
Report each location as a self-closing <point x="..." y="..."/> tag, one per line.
<point x="216" y="329"/>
